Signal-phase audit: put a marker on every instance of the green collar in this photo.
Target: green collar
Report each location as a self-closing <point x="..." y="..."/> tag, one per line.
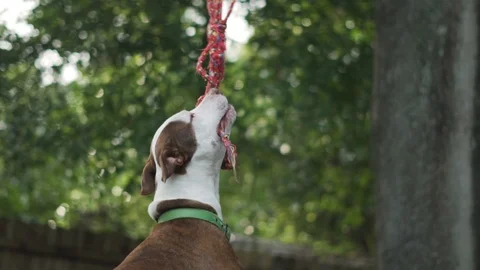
<point x="208" y="216"/>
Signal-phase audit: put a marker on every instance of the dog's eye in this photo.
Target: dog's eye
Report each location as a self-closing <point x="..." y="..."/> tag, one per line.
<point x="173" y="154"/>
<point x="192" y="115"/>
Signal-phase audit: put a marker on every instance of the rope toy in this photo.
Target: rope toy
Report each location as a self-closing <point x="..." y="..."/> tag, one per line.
<point x="215" y="50"/>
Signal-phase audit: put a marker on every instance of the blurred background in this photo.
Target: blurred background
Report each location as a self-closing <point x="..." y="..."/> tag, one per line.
<point x="85" y="84"/>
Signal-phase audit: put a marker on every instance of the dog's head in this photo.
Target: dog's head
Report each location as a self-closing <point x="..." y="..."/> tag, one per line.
<point x="189" y="137"/>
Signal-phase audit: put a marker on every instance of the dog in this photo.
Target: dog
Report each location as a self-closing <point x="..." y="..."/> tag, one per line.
<point x="183" y="170"/>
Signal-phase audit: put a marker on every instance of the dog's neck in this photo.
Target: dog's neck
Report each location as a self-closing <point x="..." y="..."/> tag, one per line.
<point x="165" y="206"/>
<point x="200" y="184"/>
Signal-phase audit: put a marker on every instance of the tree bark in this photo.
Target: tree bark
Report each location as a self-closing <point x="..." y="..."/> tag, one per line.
<point x="422" y="113"/>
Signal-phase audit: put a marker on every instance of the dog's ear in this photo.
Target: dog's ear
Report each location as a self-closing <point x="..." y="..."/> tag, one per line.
<point x="175" y="148"/>
<point x="148" y="177"/>
<point x="173" y="163"/>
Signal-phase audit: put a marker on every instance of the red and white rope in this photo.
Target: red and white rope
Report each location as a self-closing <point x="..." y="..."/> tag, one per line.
<point x="214" y="74"/>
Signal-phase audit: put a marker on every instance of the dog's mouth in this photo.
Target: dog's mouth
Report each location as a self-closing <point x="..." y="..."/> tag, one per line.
<point x="223" y="131"/>
<point x="225" y="124"/>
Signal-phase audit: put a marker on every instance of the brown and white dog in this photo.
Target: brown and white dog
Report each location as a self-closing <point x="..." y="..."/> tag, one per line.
<point x="183" y="170"/>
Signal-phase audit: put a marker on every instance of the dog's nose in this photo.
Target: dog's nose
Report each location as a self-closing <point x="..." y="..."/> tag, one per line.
<point x="214" y="91"/>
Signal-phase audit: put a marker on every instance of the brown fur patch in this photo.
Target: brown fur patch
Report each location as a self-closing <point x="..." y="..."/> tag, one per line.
<point x="174" y="149"/>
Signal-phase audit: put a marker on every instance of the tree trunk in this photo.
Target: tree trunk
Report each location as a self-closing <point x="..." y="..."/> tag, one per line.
<point x="476" y="157"/>
<point x="422" y="113"/>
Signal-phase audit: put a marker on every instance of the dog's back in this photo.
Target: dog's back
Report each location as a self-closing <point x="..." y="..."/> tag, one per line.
<point x="183" y="244"/>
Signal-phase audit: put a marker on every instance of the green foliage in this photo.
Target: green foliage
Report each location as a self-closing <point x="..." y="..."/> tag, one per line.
<point x="301" y="87"/>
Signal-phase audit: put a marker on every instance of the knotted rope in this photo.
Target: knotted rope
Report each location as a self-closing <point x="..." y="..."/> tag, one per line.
<point x="215" y="50"/>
